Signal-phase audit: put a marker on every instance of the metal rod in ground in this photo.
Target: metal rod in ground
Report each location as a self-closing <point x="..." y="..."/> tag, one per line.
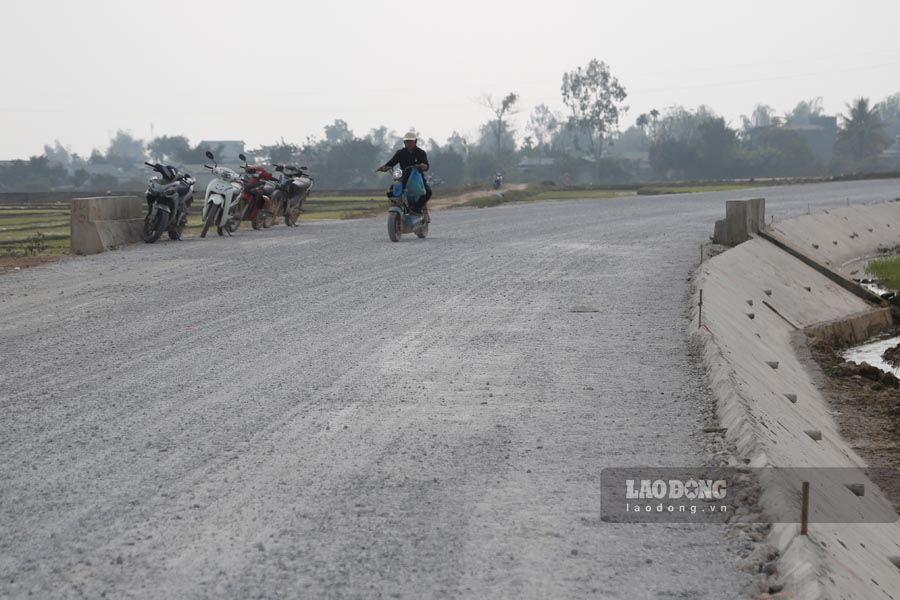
<point x="700" y="312"/>
<point x="804" y="510"/>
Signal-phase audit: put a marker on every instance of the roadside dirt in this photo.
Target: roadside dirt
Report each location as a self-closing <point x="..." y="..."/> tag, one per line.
<point x="438" y="203"/>
<point x="866" y="404"/>
<point x="12" y="264"/>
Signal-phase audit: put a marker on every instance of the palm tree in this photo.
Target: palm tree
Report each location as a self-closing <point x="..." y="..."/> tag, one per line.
<point x="860" y="136"/>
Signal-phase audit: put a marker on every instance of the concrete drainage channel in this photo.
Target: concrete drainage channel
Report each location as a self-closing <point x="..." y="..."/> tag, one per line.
<point x="777" y="288"/>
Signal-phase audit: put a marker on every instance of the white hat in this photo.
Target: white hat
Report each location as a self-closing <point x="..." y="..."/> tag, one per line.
<point x="410" y="137"/>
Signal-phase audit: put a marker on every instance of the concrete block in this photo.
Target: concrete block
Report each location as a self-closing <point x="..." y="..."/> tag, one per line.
<point x="100" y="224"/>
<point x="742" y="218"/>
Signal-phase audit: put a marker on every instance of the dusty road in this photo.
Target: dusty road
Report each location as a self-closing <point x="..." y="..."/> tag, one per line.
<point x="320" y="413"/>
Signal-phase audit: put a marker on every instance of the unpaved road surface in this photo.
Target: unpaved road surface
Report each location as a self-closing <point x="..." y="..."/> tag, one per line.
<point x="320" y="413"/>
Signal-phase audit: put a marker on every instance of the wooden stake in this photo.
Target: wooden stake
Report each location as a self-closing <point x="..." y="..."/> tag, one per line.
<point x="804" y="510"/>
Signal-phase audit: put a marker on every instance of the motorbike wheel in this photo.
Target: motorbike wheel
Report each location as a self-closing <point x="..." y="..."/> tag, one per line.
<point x="394" y="224"/>
<point x="277" y="207"/>
<point x="154" y="225"/>
<point x="240" y="211"/>
<point x="291" y="215"/>
<point x="211" y="215"/>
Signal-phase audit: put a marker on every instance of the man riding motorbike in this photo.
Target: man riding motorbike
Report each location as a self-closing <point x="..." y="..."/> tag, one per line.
<point x="411" y="156"/>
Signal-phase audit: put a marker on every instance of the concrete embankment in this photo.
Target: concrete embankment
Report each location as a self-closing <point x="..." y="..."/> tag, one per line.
<point x="759" y="301"/>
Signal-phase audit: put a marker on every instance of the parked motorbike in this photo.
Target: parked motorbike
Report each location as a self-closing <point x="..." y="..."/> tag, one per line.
<point x="254" y="203"/>
<point x="221" y="198"/>
<point x="291" y="189"/>
<point x="400" y="219"/>
<point x="169" y="196"/>
<point x="498" y="181"/>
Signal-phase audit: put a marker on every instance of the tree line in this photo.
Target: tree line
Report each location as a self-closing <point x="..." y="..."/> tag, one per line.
<point x="588" y="142"/>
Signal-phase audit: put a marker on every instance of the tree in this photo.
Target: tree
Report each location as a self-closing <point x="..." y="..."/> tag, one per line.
<point x="804" y="111"/>
<point x="446" y="163"/>
<point x="338" y="132"/>
<point x="694" y="145"/>
<point x="543" y="123"/>
<point x="169" y="149"/>
<point x="281" y="153"/>
<point x="501" y="108"/>
<point x="125" y="150"/>
<point x="489" y="144"/>
<point x="594" y="98"/>
<point x="384" y="139"/>
<point x="860" y="136"/>
<point x="458" y="143"/>
<point x="351" y="163"/>
<point x="889" y="109"/>
<point x="57" y="154"/>
<point x="642" y="122"/>
<point x="197" y="155"/>
<point x="80" y="177"/>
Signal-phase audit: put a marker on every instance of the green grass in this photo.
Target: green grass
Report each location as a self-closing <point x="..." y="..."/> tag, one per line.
<point x="887" y="271"/>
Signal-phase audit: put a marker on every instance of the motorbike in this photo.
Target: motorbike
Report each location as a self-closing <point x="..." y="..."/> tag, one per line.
<point x="498" y="181"/>
<point x="290" y="190"/>
<point x="254" y="203"/>
<point x="400" y="219"/>
<point x="221" y="198"/>
<point x="169" y="196"/>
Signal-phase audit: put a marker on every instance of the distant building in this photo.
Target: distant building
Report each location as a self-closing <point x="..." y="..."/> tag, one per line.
<point x="892" y="152"/>
<point x="820" y="133"/>
<point x="230" y="148"/>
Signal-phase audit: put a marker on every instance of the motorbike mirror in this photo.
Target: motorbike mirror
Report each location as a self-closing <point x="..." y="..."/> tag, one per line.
<point x="242" y="157"/>
<point x="209" y="155"/>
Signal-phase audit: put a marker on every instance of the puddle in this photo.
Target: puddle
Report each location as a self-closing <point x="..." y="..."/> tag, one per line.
<point x="874" y="287"/>
<point x="871" y="353"/>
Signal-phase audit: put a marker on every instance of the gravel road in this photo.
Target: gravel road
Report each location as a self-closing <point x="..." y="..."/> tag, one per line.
<point x="320" y="413"/>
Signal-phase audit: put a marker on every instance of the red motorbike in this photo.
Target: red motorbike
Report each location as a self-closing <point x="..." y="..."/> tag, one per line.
<point x="254" y="204"/>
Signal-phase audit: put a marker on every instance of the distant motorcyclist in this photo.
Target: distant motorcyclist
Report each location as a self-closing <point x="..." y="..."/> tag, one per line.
<point x="411" y="156"/>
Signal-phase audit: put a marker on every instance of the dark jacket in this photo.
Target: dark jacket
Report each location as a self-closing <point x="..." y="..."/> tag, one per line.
<point x="405" y="158"/>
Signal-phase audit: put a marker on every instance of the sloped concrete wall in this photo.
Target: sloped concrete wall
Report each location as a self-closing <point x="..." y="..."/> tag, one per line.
<point x="843" y="238"/>
<point x="758" y="299"/>
<point x="104" y="223"/>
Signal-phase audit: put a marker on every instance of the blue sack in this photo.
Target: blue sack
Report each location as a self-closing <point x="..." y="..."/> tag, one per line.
<point x="415" y="185"/>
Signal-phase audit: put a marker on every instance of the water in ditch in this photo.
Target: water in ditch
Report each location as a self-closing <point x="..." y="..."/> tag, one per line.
<point x="871" y="352"/>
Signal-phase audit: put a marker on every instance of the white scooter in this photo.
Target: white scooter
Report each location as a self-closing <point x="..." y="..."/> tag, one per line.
<point x="222" y="195"/>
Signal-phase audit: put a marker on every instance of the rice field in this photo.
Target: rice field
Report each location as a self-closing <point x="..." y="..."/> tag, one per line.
<point x="34" y="229"/>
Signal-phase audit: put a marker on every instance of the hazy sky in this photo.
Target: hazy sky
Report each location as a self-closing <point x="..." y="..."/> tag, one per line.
<point x="78" y="71"/>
